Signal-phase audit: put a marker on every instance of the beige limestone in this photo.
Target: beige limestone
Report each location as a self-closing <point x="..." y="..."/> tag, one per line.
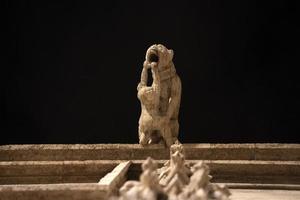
<point x="69" y="191"/>
<point x="93" y="191"/>
<point x="266" y="169"/>
<point x="175" y="169"/>
<point x="147" y="188"/>
<point x="30" y="164"/>
<point x="115" y="178"/>
<point x="265" y="194"/>
<point x="160" y="102"/>
<point x="175" y="181"/>
<point x="233" y="151"/>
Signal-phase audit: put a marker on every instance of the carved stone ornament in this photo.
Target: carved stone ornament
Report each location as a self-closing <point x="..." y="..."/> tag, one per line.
<point x="148" y="188"/>
<point x="160" y="101"/>
<point x="174" y="181"/>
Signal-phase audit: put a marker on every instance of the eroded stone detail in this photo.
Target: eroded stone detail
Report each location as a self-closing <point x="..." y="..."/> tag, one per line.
<point x="160" y="102"/>
<point x="174" y="181"/>
<point x="175" y="173"/>
<point x="147" y="188"/>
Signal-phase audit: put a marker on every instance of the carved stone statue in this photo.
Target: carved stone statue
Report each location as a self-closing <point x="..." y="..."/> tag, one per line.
<point x="160" y="102"/>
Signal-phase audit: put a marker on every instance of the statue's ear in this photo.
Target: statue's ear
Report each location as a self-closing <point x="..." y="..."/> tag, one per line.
<point x="171" y="54"/>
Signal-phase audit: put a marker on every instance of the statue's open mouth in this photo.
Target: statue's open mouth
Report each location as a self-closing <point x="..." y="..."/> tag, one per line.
<point x="153" y="57"/>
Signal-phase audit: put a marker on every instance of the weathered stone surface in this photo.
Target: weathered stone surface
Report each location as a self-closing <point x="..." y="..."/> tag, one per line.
<point x="91" y="191"/>
<point x="56" y="167"/>
<point x="257" y="166"/>
<point x="263" y="186"/>
<point x="277" y="151"/>
<point x="14" y="172"/>
<point x="92" y="165"/>
<point x="255" y="171"/>
<point x="48" y="179"/>
<point x="52" y="152"/>
<point x="244" y="194"/>
<point x="71" y="191"/>
<point x="243" y="171"/>
<point x="232" y="152"/>
<point x="89" y="171"/>
<point x="116" y="177"/>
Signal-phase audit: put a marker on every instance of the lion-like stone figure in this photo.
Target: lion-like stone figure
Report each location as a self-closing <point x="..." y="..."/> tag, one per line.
<point x="160" y="102"/>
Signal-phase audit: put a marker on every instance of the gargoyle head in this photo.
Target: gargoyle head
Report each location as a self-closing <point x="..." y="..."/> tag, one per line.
<point x="159" y="54"/>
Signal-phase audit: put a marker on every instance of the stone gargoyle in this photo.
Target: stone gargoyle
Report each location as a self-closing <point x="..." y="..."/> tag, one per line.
<point x="160" y="101"/>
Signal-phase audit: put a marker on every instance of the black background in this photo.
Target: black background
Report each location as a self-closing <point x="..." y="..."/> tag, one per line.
<point x="74" y="67"/>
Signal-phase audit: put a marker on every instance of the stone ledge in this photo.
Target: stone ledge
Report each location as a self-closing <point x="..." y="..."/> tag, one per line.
<point x="44" y="152"/>
<point x="57" y="168"/>
<point x="251" y="194"/>
<point x="116" y="177"/>
<point x="49" y="179"/>
<point x="262" y="186"/>
<point x="93" y="167"/>
<point x="91" y="191"/>
<point x="78" y="191"/>
<point x="246" y="171"/>
<point x="17" y="172"/>
<point x="243" y="171"/>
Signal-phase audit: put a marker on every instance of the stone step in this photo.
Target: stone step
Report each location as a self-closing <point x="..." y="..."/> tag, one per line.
<point x="12" y="172"/>
<point x="271" y="186"/>
<point x="35" y="179"/>
<point x="70" y="191"/>
<point x="93" y="191"/>
<point x="251" y="194"/>
<point x="243" y="171"/>
<point x="107" y="185"/>
<point x="56" y="152"/>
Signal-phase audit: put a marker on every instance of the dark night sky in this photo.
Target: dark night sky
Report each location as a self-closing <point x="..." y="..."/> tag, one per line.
<point x="73" y="70"/>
